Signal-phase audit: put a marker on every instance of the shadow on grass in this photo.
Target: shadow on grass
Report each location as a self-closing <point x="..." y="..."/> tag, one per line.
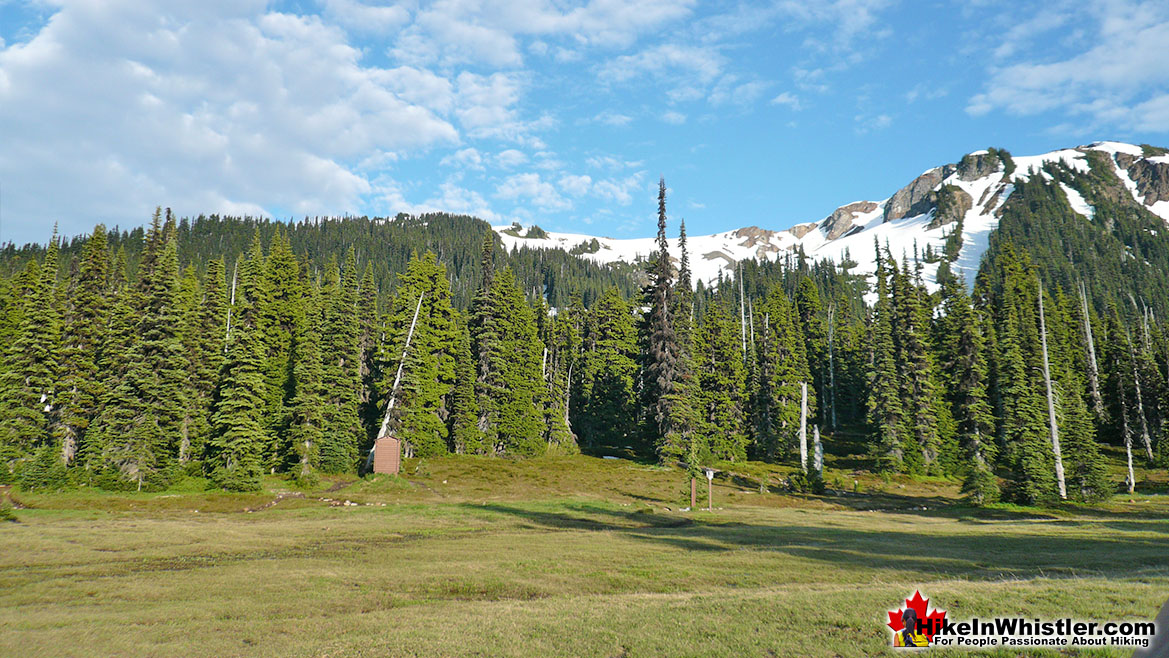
<point x="981" y="555"/>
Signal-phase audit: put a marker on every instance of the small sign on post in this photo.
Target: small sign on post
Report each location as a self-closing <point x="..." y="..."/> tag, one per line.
<point x="709" y="490"/>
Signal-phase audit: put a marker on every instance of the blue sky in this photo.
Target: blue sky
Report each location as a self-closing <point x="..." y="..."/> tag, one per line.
<point x="557" y="112"/>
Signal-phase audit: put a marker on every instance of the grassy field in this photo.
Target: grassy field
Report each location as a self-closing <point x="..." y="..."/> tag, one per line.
<point x="573" y="556"/>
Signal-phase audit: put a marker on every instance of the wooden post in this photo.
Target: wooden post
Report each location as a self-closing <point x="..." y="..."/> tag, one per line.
<point x="804" y="426"/>
<point x="1063" y="494"/>
<point x="693" y="492"/>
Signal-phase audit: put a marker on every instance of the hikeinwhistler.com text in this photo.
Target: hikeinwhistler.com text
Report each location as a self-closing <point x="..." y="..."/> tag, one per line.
<point x="1020" y="632"/>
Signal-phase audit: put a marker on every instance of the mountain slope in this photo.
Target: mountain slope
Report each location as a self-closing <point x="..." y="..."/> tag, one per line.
<point x="965" y="199"/>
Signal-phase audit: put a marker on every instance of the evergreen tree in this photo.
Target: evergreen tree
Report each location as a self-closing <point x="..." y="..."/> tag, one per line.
<point x="783" y="367"/>
<point x="929" y="426"/>
<point x="885" y="412"/>
<point x="28" y="391"/>
<point x="279" y="314"/>
<point x="660" y="366"/>
<point x="466" y="437"/>
<point x="425" y="396"/>
<point x="503" y="334"/>
<point x="307" y="427"/>
<point x="85" y="326"/>
<point x="236" y="450"/>
<point x="205" y="328"/>
<point x="342" y="367"/>
<point x="722" y="386"/>
<point x="606" y="402"/>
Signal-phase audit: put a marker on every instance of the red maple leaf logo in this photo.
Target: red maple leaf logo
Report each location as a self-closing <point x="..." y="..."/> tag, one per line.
<point x="930" y="622"/>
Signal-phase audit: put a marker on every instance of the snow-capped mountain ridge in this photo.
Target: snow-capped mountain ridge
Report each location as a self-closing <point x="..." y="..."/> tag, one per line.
<point x="922" y="214"/>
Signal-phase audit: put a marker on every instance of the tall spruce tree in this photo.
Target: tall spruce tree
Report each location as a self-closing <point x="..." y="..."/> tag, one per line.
<point x="342" y="367"/>
<point x="782" y="368"/>
<point x="503" y="334"/>
<point x="606" y="400"/>
<point x="81" y="384"/>
<point x="962" y="359"/>
<point x="236" y="451"/>
<point x="886" y="415"/>
<point x="424" y="399"/>
<point x="722" y="386"/>
<point x="307" y="426"/>
<point x="28" y="392"/>
<point x="660" y="367"/>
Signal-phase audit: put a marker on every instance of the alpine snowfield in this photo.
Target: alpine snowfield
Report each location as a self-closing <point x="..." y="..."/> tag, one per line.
<point x="906" y="222"/>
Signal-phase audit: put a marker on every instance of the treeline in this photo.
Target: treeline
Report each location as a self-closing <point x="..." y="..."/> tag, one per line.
<point x="385" y="245"/>
<point x="279" y="365"/>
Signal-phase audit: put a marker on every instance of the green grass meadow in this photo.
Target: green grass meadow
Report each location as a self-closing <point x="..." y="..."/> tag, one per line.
<point x="568" y="556"/>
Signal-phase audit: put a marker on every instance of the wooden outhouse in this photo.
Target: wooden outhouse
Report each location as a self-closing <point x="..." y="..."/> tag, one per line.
<point x="387" y="455"/>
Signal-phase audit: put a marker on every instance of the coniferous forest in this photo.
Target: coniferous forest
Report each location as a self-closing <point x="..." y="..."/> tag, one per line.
<point x="229" y="348"/>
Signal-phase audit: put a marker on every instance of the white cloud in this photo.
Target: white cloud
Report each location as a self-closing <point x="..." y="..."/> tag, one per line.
<point x="701" y="63"/>
<point x="467" y="32"/>
<point x="619" y="190"/>
<point x="673" y="117"/>
<point x="576" y="185"/>
<point x="530" y="187"/>
<point x="866" y="124"/>
<point x="613" y="119"/>
<point x="468" y="158"/>
<point x="115" y="107"/>
<point x="510" y="158"/>
<point x="788" y="99"/>
<point x="1120" y="81"/>
<point x="729" y="90"/>
<point x="363" y="17"/>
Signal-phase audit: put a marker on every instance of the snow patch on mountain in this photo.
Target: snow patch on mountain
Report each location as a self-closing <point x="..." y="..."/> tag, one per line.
<point x="1077" y="202"/>
<point x="849" y="233"/>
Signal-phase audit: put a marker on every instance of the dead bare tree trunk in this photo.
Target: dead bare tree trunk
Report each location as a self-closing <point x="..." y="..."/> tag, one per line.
<point x="407" y="448"/>
<point x="831" y="365"/>
<point x="818" y="455"/>
<point x="1136" y="383"/>
<point x="231" y="305"/>
<point x="1063" y="494"/>
<point x="804" y="426"/>
<point x="742" y="315"/>
<point x="1093" y="370"/>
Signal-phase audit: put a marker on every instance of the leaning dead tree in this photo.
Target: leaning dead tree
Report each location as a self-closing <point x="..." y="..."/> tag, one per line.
<point x="1063" y="494"/>
<point x="1093" y="371"/>
<point x="385" y="428"/>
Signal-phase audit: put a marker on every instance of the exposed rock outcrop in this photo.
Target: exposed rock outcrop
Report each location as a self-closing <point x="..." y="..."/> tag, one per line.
<point x="801" y="230"/>
<point x="840" y="221"/>
<point x="908" y="201"/>
<point x="978" y="165"/>
<point x="753" y="236"/>
<point x="1151" y="178"/>
<point x="952" y="204"/>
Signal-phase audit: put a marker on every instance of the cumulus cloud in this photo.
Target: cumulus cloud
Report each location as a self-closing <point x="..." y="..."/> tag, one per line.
<point x="115" y="107"/>
<point x="576" y="185"/>
<point x="458" y="32"/>
<point x="532" y="188"/>
<point x="702" y="63"/>
<point x="1120" y="81"/>
<point x="787" y="99"/>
